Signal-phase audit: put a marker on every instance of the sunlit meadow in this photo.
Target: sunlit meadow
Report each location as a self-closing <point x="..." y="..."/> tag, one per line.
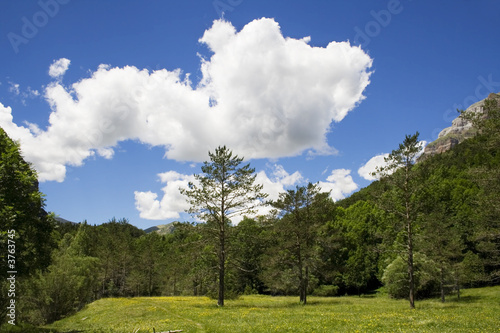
<point x="477" y="311"/>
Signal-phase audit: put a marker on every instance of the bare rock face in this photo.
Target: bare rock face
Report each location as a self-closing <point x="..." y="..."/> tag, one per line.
<point x="459" y="130"/>
<point x="438" y="147"/>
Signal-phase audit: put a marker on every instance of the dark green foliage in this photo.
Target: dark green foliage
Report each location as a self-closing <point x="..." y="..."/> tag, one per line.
<point x="251" y="241"/>
<point x="486" y="174"/>
<point x="22" y="216"/>
<point x="66" y="286"/>
<point x="296" y="254"/>
<point x="148" y="265"/>
<point x="114" y="243"/>
<point x="21" y="210"/>
<point x="361" y="228"/>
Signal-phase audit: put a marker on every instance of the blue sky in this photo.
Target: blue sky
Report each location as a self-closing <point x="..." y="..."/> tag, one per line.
<point x="116" y="103"/>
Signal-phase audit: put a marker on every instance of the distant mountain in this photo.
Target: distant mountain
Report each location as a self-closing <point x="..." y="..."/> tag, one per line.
<point x="162" y="229"/>
<point x="61" y="220"/>
<point x="460" y="130"/>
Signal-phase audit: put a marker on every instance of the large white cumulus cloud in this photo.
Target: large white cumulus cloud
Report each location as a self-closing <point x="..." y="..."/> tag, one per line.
<point x="261" y="94"/>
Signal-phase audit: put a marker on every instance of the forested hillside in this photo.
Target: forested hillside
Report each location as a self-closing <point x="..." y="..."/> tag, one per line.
<point x="446" y="208"/>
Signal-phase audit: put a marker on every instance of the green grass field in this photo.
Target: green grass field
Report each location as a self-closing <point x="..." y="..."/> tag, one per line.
<point x="477" y="311"/>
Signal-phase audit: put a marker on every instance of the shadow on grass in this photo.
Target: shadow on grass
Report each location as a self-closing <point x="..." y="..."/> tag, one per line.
<point x="465" y="299"/>
<point x="278" y="303"/>
<point x="46" y="330"/>
<point x="33" y="329"/>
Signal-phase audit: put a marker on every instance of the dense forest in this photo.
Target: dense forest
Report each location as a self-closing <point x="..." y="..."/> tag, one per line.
<point x="436" y="219"/>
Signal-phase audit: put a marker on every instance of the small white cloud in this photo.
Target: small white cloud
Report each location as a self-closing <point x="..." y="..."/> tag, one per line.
<point x="366" y="171"/>
<point x="173" y="202"/>
<point x="422" y="145"/>
<point x="58" y="68"/>
<point x="339" y="184"/>
<point x="371" y="166"/>
<point x="148" y="206"/>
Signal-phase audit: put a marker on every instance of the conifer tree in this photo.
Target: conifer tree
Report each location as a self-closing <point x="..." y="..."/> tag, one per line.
<point x="298" y="228"/>
<point x="223" y="191"/>
<point x="401" y="198"/>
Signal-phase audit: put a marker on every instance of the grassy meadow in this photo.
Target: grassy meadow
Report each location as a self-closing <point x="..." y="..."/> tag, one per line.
<point x="477" y="311"/>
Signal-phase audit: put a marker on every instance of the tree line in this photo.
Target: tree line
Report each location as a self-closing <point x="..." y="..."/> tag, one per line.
<point x="424" y="229"/>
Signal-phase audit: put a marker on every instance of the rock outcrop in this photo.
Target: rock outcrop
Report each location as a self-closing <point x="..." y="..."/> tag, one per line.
<point x="459" y="130"/>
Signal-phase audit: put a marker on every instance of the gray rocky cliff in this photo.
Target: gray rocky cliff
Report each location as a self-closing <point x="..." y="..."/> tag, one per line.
<point x="459" y="130"/>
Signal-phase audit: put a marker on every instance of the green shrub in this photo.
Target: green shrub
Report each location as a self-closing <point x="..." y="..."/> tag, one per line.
<point x="326" y="290"/>
<point x="396" y="279"/>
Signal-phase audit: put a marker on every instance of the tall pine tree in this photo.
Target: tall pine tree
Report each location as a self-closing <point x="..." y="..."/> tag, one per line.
<point x="224" y="191"/>
<point x="401" y="198"/>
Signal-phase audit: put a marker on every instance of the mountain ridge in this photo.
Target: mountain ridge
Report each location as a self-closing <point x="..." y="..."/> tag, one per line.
<point x="162" y="229"/>
<point x="460" y="130"/>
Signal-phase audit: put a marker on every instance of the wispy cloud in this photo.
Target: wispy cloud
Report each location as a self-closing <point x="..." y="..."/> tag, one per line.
<point x="14" y="88"/>
<point x="23" y="95"/>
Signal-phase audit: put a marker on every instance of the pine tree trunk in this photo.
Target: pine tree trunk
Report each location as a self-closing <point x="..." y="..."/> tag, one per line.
<point x="410" y="266"/>
<point x="441" y="282"/>
<point x="306" y="285"/>
<point x="222" y="250"/>
<point x="222" y="259"/>
<point x="457" y="286"/>
<point x="410" y="238"/>
<point x="301" y="272"/>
